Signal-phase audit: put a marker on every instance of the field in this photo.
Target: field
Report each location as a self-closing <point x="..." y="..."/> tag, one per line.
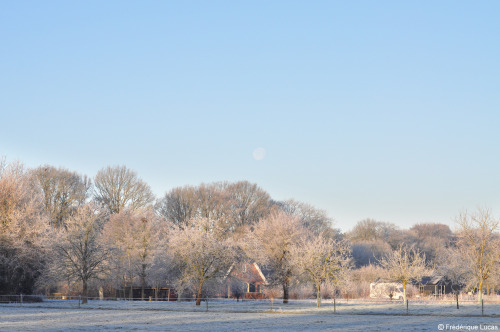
<point x="229" y="315"/>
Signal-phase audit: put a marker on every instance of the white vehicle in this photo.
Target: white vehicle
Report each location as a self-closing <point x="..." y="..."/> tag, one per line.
<point x="386" y="290"/>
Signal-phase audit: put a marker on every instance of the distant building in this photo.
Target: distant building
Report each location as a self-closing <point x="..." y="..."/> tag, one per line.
<point x="433" y="285"/>
<point x="427" y="286"/>
<point x="244" y="280"/>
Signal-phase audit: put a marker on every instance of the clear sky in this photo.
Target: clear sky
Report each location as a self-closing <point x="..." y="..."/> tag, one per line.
<point x="367" y="109"/>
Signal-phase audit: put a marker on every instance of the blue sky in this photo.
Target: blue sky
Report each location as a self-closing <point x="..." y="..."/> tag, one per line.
<point x="367" y="109"/>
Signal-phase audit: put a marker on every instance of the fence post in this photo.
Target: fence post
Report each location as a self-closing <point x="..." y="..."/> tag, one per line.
<point x="407" y="307"/>
<point x="21" y="301"/>
<point x="334" y="306"/>
<point x="79" y="299"/>
<point x="482" y="307"/>
<point x="207" y="303"/>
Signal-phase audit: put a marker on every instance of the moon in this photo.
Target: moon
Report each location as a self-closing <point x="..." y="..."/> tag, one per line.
<point x="259" y="153"/>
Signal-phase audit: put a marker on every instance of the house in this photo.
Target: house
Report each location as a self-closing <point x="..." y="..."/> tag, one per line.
<point x="244" y="280"/>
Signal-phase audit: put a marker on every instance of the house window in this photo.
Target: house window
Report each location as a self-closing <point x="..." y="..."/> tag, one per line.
<point x="251" y="287"/>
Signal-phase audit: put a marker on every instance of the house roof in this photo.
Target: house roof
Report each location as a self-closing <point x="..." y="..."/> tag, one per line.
<point x="257" y="268"/>
<point x="260" y="272"/>
<point x="431" y="280"/>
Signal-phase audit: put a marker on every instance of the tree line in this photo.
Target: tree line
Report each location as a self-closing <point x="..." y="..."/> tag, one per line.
<point x="58" y="227"/>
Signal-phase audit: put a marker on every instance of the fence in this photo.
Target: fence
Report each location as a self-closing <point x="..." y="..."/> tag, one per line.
<point x="490" y="306"/>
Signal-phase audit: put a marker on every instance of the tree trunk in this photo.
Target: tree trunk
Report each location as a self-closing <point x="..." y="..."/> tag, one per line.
<point x="318" y="295"/>
<point x="84" y="291"/>
<point x="404" y="292"/>
<point x="198" y="296"/>
<point x="285" y="292"/>
<point x="480" y="290"/>
<point x="143" y="280"/>
<point x="143" y="285"/>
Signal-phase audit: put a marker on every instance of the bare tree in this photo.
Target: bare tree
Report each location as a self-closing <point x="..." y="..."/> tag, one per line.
<point x="200" y="254"/>
<point x="431" y="239"/>
<point x="372" y="230"/>
<point x="249" y="203"/>
<point x="271" y="243"/>
<point x="118" y="188"/>
<point x="63" y="191"/>
<point x="479" y="244"/>
<point x="313" y="219"/>
<point x="232" y="205"/>
<point x="321" y="261"/>
<point x="404" y="265"/>
<point x="182" y="204"/>
<point x="178" y="205"/>
<point x="369" y="252"/>
<point x="79" y="253"/>
<point x="213" y="203"/>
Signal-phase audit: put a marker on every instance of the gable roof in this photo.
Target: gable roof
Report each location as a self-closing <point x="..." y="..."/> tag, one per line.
<point x="260" y="272"/>
<point x="257" y="268"/>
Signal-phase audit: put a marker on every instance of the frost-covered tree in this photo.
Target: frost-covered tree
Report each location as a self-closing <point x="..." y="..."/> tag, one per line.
<point x="199" y="253"/>
<point x="270" y="244"/>
<point x="118" y="188"/>
<point x="450" y="264"/>
<point x="321" y="261"/>
<point x="78" y="252"/>
<point x="24" y="229"/>
<point x="479" y="245"/>
<point x="404" y="265"/>
<point x="138" y="238"/>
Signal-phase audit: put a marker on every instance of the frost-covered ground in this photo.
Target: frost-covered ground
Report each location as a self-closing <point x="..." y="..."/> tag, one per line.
<point x="227" y="315"/>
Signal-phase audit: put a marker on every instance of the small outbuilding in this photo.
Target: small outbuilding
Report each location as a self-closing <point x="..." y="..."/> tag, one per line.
<point x="433" y="285"/>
